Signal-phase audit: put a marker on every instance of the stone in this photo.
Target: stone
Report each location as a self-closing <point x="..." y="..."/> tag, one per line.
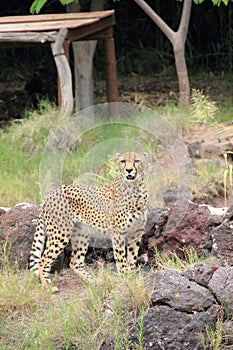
<point x="17" y="228"/>
<point x="171" y="288"/>
<point x="187" y="225"/>
<point x="222" y="247"/>
<point x="201" y="273"/>
<point x="211" y="151"/>
<point x="229" y="213"/>
<point x="166" y="328"/>
<point x="195" y="149"/>
<point x="221" y="285"/>
<point x="157" y="218"/>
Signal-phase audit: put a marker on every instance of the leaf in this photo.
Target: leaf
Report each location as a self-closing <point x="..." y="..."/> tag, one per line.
<point x="198" y="1"/>
<point x="37" y="6"/>
<point x="66" y="2"/>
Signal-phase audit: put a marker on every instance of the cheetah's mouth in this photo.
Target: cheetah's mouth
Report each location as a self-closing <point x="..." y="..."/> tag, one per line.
<point x="130" y="177"/>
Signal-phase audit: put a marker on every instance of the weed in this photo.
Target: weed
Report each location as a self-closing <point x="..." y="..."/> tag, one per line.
<point x="170" y="260"/>
<point x="227" y="175"/>
<point x="140" y="328"/>
<point x="211" y="339"/>
<point x="19" y="292"/>
<point x="202" y="108"/>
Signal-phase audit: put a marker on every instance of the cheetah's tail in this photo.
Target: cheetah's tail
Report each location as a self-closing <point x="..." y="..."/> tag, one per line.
<point x="37" y="246"/>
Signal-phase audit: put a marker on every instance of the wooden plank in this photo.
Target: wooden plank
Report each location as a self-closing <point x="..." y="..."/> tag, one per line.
<point x="83" y="32"/>
<point x="56" y="17"/>
<point x="43" y="26"/>
<point x="105" y="33"/>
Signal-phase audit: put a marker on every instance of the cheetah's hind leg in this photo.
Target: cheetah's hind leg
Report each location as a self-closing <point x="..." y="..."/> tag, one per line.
<point x="54" y="246"/>
<point x="80" y="238"/>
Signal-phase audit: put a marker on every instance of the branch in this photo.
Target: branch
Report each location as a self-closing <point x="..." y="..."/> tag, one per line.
<point x="158" y="20"/>
<point x="184" y="22"/>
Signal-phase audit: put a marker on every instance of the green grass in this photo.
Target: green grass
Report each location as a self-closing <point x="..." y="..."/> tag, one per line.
<point x="102" y="312"/>
<point x="23" y="142"/>
<point x="105" y="311"/>
<point x="171" y="260"/>
<point x="213" y="337"/>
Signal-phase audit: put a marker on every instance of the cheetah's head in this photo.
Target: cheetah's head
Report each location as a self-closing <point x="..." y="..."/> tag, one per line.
<point x="131" y="166"/>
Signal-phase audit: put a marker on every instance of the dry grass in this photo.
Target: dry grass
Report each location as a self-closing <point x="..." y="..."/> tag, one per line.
<point x="101" y="313"/>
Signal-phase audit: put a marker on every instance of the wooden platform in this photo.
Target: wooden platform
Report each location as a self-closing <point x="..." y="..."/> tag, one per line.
<point x="43" y="29"/>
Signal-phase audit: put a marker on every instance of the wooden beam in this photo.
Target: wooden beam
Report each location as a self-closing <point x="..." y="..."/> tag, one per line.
<point x="112" y="89"/>
<point x="31" y="37"/>
<point x="83" y="32"/>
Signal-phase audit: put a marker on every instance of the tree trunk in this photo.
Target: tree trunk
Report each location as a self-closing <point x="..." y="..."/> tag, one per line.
<point x="83" y="62"/>
<point x="182" y="73"/>
<point x="178" y="42"/>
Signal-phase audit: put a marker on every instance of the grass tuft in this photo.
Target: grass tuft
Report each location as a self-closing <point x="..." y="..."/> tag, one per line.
<point x="170" y="260"/>
<point x="103" y="312"/>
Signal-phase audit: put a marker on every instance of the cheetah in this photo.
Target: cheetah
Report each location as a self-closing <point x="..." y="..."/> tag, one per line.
<point x="77" y="213"/>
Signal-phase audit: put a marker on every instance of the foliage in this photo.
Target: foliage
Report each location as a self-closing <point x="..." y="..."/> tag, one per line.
<point x="38" y="4"/>
<point x="215" y="2"/>
<point x="212" y="338"/>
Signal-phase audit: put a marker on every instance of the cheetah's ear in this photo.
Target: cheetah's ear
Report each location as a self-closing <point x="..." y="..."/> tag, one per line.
<point x="145" y="154"/>
<point x="118" y="155"/>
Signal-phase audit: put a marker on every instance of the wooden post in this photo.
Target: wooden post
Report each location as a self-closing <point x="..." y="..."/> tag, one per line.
<point x="59" y="93"/>
<point x="64" y="74"/>
<point x="112" y="90"/>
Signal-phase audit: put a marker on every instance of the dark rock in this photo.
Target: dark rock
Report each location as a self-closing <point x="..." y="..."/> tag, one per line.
<point x="201" y="273"/>
<point x="17" y="227"/>
<point x="157" y="218"/>
<point x="222" y="247"/>
<point x="170" y="196"/>
<point x="171" y="288"/>
<point x="221" y="285"/>
<point x="2" y="211"/>
<point x="195" y="149"/>
<point x="215" y="220"/>
<point x="211" y="151"/>
<point x="229" y="213"/>
<point x="165" y="328"/>
<point x="187" y="226"/>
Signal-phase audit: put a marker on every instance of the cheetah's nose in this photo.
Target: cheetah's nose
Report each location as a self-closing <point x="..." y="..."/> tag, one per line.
<point x="129" y="170"/>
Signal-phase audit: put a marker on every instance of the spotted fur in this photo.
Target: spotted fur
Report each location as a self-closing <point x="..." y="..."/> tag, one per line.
<point x="77" y="213"/>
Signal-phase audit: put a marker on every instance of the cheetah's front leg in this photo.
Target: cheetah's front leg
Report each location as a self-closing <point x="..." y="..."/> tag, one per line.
<point x="119" y="251"/>
<point x="80" y="239"/>
<point x="133" y="246"/>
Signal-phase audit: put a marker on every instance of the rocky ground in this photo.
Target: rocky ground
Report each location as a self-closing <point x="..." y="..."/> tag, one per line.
<point x="184" y="303"/>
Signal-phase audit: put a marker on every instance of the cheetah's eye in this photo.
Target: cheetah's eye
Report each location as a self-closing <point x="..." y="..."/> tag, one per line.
<point x="122" y="161"/>
<point x="136" y="161"/>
